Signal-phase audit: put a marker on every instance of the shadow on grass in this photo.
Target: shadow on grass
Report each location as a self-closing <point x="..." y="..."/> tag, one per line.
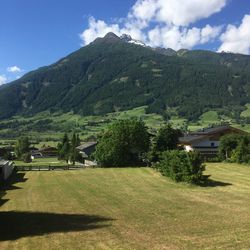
<point x="10" y="185"/>
<point x="13" y="179"/>
<point x="15" y="224"/>
<point x="207" y="182"/>
<point x="3" y="201"/>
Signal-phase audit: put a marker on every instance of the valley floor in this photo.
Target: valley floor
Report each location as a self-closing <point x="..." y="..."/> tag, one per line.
<point x="133" y="208"/>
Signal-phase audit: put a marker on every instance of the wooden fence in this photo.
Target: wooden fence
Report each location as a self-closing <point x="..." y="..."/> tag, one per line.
<point x="47" y="168"/>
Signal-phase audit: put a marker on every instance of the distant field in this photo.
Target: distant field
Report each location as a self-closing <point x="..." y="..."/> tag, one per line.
<point x="42" y="162"/>
<point x="133" y="208"/>
<point x="49" y="132"/>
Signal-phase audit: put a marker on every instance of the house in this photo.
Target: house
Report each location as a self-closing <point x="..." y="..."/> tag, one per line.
<point x="6" y="169"/>
<point x="86" y="149"/>
<point x="36" y="155"/>
<point x="206" y="141"/>
<point x="45" y="152"/>
<point x="49" y="152"/>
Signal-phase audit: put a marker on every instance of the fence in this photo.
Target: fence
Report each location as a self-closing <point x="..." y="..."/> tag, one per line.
<point x="47" y="168"/>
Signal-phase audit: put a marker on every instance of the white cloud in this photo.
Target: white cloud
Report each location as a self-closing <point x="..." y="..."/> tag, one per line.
<point x="14" y="69"/>
<point x="164" y="23"/>
<point x="97" y="28"/>
<point x="144" y="10"/>
<point x="209" y="33"/>
<point x="237" y="39"/>
<point x="3" y="79"/>
<point x="176" y="12"/>
<point x="177" y="37"/>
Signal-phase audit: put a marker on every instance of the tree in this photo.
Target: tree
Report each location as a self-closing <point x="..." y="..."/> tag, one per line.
<point x="167" y="138"/>
<point x="67" y="148"/>
<point x="74" y="154"/>
<point x="242" y="152"/>
<point x="64" y="148"/>
<point x="227" y="144"/>
<point x="78" y="140"/>
<point x="123" y="144"/>
<point x="22" y="146"/>
<point x="235" y="148"/>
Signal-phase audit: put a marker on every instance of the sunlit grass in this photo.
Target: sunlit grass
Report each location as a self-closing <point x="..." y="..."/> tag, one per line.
<point x="137" y="207"/>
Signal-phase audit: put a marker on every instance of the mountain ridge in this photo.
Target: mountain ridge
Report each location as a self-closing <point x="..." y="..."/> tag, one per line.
<point x="114" y="74"/>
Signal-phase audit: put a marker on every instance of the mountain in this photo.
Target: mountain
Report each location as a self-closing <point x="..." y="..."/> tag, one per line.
<point x="119" y="73"/>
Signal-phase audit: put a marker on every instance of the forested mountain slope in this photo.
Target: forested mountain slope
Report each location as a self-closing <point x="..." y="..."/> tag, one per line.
<point x="111" y="74"/>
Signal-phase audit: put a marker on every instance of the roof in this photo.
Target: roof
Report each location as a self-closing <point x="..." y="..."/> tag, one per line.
<point x="87" y="145"/>
<point x="204" y="133"/>
<point x="190" y="138"/>
<point x="48" y="149"/>
<point x="214" y="130"/>
<point x="2" y="163"/>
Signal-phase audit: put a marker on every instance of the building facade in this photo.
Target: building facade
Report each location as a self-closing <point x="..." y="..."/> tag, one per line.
<point x="207" y="141"/>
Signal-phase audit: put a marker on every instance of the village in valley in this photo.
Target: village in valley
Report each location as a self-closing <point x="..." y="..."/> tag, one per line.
<point x="75" y="153"/>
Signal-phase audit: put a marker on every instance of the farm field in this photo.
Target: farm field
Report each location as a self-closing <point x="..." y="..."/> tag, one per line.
<point x="132" y="208"/>
<point x="47" y="129"/>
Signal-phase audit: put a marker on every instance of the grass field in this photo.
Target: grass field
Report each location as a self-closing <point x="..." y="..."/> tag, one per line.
<point x="42" y="162"/>
<point x="132" y="208"/>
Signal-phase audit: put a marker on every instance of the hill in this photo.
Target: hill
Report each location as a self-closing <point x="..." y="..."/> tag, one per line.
<point x="116" y="74"/>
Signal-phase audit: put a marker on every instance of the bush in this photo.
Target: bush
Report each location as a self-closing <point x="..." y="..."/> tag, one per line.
<point x="26" y="158"/>
<point x="181" y="166"/>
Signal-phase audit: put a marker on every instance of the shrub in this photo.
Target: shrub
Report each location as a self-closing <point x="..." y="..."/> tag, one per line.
<point x="26" y="158"/>
<point x="181" y="166"/>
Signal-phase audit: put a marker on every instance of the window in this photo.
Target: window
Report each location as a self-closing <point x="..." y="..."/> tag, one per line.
<point x="212" y="144"/>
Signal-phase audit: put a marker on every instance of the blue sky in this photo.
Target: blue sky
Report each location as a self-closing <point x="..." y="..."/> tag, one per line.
<point x="38" y="33"/>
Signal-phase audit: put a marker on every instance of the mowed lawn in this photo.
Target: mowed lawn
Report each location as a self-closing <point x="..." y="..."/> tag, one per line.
<point x="132" y="208"/>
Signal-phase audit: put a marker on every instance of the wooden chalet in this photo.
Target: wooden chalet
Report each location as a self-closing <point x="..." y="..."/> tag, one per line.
<point x="206" y="141"/>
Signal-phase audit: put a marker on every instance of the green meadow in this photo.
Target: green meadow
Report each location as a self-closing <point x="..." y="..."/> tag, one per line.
<point x="132" y="208"/>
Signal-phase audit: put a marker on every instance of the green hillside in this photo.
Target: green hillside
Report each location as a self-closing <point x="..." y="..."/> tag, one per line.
<point x="111" y="75"/>
<point x="48" y="128"/>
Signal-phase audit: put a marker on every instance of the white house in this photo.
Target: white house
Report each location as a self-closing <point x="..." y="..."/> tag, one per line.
<point x="207" y="141"/>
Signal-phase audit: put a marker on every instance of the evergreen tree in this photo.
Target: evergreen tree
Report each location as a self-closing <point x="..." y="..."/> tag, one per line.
<point x="73" y="151"/>
<point x="167" y="138"/>
<point x="22" y="146"/>
<point x="64" y="148"/>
